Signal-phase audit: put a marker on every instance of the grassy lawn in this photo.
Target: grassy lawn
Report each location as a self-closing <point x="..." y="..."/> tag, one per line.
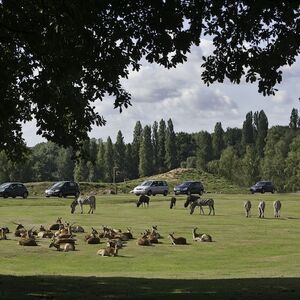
<point x="249" y="256"/>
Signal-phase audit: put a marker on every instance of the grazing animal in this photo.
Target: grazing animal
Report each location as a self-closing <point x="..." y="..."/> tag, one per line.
<point x="277" y="208"/>
<point x="195" y="201"/>
<point x="177" y="241"/>
<point x="143" y="200"/>
<point x="247" y="206"/>
<point x="261" y="209"/>
<point x="172" y="202"/>
<point x="201" y="237"/>
<point x="90" y="200"/>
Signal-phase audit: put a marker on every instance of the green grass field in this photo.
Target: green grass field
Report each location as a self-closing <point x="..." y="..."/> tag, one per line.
<point x="249" y="256"/>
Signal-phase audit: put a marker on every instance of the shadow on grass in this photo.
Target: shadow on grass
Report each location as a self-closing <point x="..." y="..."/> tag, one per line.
<point x="67" y="287"/>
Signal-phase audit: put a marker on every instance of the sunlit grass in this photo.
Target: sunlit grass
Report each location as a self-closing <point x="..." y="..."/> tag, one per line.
<point x="242" y="247"/>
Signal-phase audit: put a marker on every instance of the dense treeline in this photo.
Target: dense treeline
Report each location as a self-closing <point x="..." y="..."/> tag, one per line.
<point x="242" y="155"/>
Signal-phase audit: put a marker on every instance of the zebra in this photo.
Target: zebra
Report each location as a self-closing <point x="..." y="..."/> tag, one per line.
<point x="261" y="209"/>
<point x="196" y="201"/>
<point x="277" y="208"/>
<point x="247" y="206"/>
<point x="89" y="200"/>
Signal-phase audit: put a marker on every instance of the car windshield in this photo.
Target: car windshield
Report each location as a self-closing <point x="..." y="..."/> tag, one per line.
<point x="186" y="183"/>
<point x="259" y="183"/>
<point x="57" y="185"/>
<point x="146" y="183"/>
<point x="4" y="185"/>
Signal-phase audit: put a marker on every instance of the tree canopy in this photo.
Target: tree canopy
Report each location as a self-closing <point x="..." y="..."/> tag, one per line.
<point x="57" y="58"/>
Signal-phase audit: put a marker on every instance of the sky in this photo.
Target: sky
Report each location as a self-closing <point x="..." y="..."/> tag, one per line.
<point x="180" y="94"/>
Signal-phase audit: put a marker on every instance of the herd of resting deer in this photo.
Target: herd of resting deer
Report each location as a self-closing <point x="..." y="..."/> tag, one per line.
<point x="62" y="237"/>
<point x="62" y="234"/>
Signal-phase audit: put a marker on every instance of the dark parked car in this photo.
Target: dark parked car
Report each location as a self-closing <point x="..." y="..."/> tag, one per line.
<point x="63" y="189"/>
<point x="262" y="187"/>
<point x="189" y="187"/>
<point x="13" y="189"/>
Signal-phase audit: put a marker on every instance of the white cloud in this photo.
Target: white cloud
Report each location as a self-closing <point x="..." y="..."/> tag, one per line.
<point x="180" y="94"/>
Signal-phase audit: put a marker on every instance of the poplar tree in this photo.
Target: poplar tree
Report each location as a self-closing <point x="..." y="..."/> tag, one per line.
<point x="155" y="146"/>
<point x="294" y="119"/>
<point x="262" y="131"/>
<point x="161" y="145"/>
<point x="109" y="160"/>
<point x="146" y="153"/>
<point x="218" y="140"/>
<point x="137" y="135"/>
<point x="119" y="152"/>
<point x="171" y="149"/>
<point x="247" y="131"/>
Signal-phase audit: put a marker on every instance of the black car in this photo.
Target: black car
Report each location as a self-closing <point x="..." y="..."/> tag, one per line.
<point x="63" y="189"/>
<point x="189" y="187"/>
<point x="262" y="187"/>
<point x="13" y="189"/>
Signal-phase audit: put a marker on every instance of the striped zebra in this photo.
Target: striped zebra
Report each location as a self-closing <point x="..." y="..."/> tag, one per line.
<point x="261" y="209"/>
<point x="247" y="206"/>
<point x="195" y="201"/>
<point x="89" y="200"/>
<point x="277" y="208"/>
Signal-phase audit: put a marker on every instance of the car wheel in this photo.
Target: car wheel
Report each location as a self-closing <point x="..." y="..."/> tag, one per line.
<point x="200" y="193"/>
<point x="149" y="193"/>
<point x="25" y="195"/>
<point x="14" y="196"/>
<point x="166" y="193"/>
<point x="60" y="194"/>
<point x="252" y="192"/>
<point x="5" y="195"/>
<point x="272" y="191"/>
<point x="262" y="191"/>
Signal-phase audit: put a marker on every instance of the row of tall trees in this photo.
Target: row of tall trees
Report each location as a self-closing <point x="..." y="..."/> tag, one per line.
<point x="242" y="155"/>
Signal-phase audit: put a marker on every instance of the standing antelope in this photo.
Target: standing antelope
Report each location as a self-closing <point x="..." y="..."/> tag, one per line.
<point x="247" y="206"/>
<point x="277" y="208"/>
<point x="261" y="209"/>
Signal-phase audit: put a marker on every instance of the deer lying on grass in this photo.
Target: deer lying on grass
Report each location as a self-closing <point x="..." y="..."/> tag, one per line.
<point x="44" y="233"/>
<point x="201" y="237"/>
<point x="57" y="225"/>
<point x="177" y="241"/>
<point x="3" y="233"/>
<point x="108" y="251"/>
<point x="65" y="247"/>
<point x="143" y="240"/>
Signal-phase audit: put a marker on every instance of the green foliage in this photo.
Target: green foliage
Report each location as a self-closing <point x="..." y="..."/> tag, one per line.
<point x="292" y="170"/>
<point x="54" y="68"/>
<point x="218" y="140"/>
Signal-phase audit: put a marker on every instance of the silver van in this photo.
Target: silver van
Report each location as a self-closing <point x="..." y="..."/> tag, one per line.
<point x="152" y="187"/>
